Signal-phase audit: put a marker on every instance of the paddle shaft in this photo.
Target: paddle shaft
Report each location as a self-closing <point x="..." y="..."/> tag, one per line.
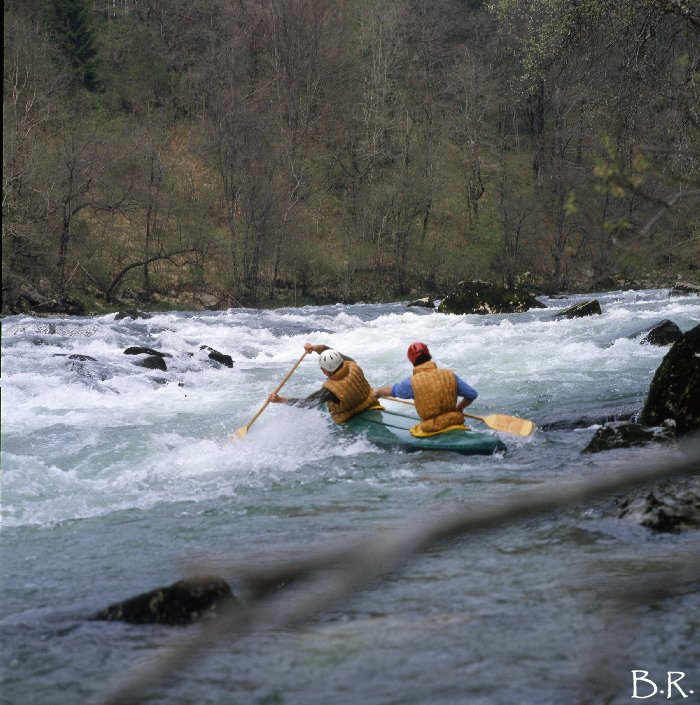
<point x="474" y="416"/>
<point x="244" y="429"/>
<point x="412" y="403"/>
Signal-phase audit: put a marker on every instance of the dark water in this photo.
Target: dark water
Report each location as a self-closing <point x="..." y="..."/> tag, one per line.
<point x="114" y="478"/>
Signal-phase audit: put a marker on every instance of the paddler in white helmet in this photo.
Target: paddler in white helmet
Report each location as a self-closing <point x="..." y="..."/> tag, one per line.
<point x="346" y="392"/>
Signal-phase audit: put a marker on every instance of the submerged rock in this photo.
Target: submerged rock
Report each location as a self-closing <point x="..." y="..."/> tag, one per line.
<point x="675" y="390"/>
<point x="578" y="414"/>
<point x="671" y="507"/>
<point x="625" y="434"/>
<point x="483" y="298"/>
<point x="181" y="603"/>
<point x="581" y="309"/>
<point x="76" y="356"/>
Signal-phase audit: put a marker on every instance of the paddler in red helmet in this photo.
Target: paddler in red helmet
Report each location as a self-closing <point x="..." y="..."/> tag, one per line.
<point x="345" y="392"/>
<point x="435" y="391"/>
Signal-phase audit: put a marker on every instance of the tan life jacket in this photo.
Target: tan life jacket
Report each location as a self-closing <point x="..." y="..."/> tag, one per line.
<point x="352" y="389"/>
<point x="435" y="394"/>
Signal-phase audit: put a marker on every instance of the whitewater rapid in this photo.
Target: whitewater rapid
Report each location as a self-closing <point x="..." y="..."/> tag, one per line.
<point x="83" y="438"/>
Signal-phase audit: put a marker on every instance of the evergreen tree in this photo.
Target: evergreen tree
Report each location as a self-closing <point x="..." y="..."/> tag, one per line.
<point x="69" y="24"/>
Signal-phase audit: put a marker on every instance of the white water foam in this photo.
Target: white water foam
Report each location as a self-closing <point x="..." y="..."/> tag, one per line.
<point x="82" y="438"/>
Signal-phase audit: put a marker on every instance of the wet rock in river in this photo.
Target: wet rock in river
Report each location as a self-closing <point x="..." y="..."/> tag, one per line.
<point x="136" y="350"/>
<point x="625" y="434"/>
<point x="153" y="362"/>
<point x="685" y="288"/>
<point x="483" y="298"/>
<point x="581" y="309"/>
<point x="662" y="333"/>
<point x="76" y="356"/>
<point x="131" y="313"/>
<point x="215" y="355"/>
<point x="675" y="390"/>
<point x="670" y="507"/>
<point x="425" y="302"/>
<point x="154" y="359"/>
<point x="181" y="603"/>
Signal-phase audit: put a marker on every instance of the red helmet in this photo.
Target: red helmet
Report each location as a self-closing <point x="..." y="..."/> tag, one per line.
<point x="415" y="350"/>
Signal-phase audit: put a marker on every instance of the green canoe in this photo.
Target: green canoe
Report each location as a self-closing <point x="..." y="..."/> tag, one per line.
<point x="392" y="429"/>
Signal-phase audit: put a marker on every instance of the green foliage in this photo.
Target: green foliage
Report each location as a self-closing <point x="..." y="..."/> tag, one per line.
<point x="356" y="150"/>
<point x="135" y="68"/>
<point x="70" y="27"/>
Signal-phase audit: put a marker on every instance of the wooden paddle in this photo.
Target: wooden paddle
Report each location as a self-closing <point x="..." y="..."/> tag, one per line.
<point x="498" y="422"/>
<point x="243" y="430"/>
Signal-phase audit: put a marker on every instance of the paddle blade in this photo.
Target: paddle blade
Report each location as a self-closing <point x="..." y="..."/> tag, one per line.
<point x="239" y="433"/>
<point x="509" y="424"/>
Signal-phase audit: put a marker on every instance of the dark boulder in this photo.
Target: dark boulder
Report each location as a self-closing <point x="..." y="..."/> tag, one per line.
<point x="483" y="298"/>
<point x="215" y="355"/>
<point x="136" y="350"/>
<point x="425" y="302"/>
<point x="625" y="434"/>
<point x="131" y="313"/>
<point x="153" y="362"/>
<point x="675" y="390"/>
<point x="670" y="507"/>
<point x="30" y="297"/>
<point x="661" y="333"/>
<point x="581" y="309"/>
<point x="181" y="603"/>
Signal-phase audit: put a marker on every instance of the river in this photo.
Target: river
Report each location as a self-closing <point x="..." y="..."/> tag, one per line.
<point x="115" y="477"/>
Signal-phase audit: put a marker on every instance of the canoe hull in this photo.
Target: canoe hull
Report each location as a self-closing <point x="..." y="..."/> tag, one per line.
<point x="392" y="430"/>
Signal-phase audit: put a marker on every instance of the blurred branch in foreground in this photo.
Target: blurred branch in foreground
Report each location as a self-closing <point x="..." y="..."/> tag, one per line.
<point x="314" y="582"/>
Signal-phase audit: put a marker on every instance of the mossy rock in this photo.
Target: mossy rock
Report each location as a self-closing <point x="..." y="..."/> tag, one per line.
<point x="484" y="298"/>
<point x="675" y="390"/>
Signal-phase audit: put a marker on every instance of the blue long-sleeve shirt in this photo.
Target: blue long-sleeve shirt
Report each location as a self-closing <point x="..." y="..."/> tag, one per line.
<point x="404" y="389"/>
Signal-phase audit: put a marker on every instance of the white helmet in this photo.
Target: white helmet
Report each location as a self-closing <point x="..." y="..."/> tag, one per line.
<point x="330" y="360"/>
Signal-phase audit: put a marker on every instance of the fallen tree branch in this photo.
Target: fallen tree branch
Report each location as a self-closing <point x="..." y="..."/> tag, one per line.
<point x="666" y="205"/>
<point x="320" y="579"/>
<point x="123" y="272"/>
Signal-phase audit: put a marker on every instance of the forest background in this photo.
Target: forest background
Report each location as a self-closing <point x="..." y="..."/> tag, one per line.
<point x="208" y="153"/>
